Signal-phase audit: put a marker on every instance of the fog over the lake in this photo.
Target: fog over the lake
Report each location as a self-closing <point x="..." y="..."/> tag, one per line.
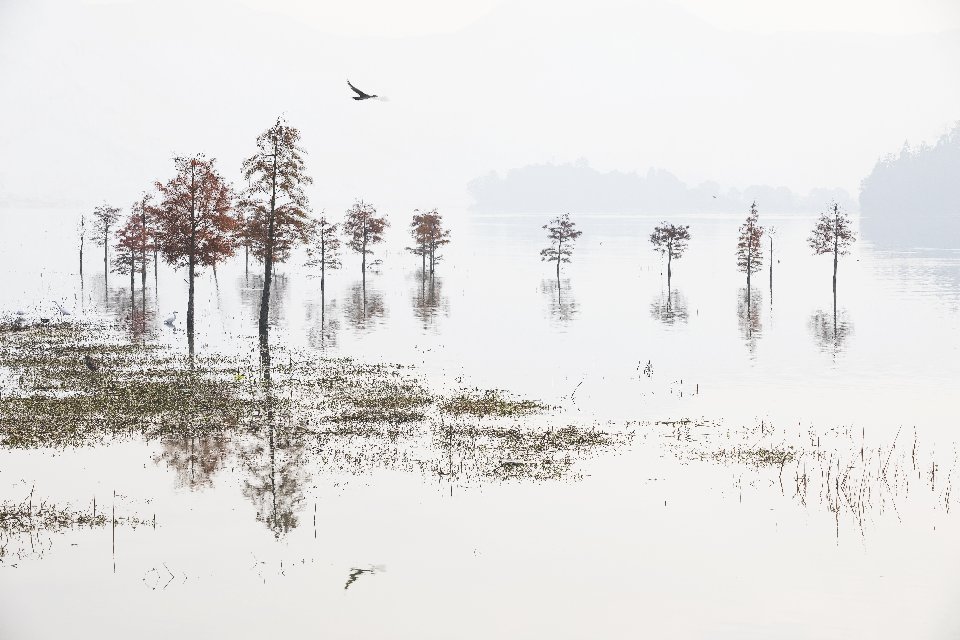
<point x="98" y="96"/>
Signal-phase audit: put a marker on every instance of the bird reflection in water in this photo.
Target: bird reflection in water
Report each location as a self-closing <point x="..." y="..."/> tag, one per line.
<point x="356" y="572"/>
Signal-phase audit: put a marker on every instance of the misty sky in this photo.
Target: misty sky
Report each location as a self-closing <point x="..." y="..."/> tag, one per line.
<point x="99" y="95"/>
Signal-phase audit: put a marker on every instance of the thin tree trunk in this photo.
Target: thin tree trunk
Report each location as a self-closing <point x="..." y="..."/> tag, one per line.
<point x="363" y="264"/>
<point x="836" y="225"/>
<point x="669" y="267"/>
<point x="105" y="247"/>
<point x="268" y="258"/>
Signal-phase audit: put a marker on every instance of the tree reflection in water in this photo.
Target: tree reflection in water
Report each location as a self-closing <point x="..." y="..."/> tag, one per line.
<point x="364" y="308"/>
<point x="748" y="317"/>
<point x="195" y="459"/>
<point x="831" y="330"/>
<point x="563" y="306"/>
<point x="428" y="301"/>
<point x="670" y="308"/>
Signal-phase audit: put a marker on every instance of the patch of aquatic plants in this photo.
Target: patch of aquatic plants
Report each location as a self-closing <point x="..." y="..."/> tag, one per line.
<point x="489" y="402"/>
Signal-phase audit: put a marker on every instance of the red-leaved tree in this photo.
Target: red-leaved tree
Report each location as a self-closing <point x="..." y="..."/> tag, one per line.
<point x="832" y="234"/>
<point x="194" y="222"/>
<point x="363" y="228"/>
<point x="749" y="249"/>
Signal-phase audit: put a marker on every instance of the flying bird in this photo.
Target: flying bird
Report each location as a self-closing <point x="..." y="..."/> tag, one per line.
<point x="360" y="94"/>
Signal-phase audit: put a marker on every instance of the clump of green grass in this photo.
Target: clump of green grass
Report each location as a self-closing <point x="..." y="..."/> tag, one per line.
<point x="490" y="402"/>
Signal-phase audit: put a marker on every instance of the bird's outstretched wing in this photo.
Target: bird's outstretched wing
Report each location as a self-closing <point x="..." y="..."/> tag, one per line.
<point x="357" y="91"/>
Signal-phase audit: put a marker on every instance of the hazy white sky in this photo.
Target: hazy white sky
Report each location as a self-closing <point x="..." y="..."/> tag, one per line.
<point x="419" y="17"/>
<point x="98" y="95"/>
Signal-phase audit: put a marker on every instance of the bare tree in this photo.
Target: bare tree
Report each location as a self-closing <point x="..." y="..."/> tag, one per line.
<point x="104" y="218"/>
<point x="771" y="232"/>
<point x="325" y="250"/>
<point x="276" y="175"/>
<point x="670" y="240"/>
<point x="834" y="234"/>
<point x="363" y="227"/>
<point x="562" y="233"/>
<point x="749" y="250"/>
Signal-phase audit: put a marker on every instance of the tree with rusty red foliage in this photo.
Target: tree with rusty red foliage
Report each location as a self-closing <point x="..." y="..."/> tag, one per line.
<point x="194" y="221"/>
<point x="129" y="250"/>
<point x="275" y="204"/>
<point x="428" y="236"/>
<point x="670" y="240"/>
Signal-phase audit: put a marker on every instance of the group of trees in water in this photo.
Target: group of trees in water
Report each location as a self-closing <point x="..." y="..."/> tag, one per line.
<point x="832" y="234"/>
<point x="197" y="219"/>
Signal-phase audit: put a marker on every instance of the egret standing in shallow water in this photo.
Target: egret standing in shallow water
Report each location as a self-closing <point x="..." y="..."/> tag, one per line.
<point x="172" y="319"/>
<point x="62" y="309"/>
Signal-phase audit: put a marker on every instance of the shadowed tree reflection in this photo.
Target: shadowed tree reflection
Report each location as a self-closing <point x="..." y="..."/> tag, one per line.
<point x="324" y="326"/>
<point x="831" y="330"/>
<point x="195" y="459"/>
<point x="365" y="307"/>
<point x="670" y="308"/>
<point x="748" y="317"/>
<point x="428" y="301"/>
<point x="251" y="294"/>
<point x="274" y="461"/>
<point x="563" y="306"/>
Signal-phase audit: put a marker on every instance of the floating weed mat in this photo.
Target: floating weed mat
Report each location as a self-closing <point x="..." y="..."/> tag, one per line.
<point x="490" y="402"/>
<point x="74" y="385"/>
<point x="513" y="453"/>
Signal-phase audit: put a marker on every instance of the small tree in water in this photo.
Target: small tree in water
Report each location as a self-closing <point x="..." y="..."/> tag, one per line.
<point x="749" y="249"/>
<point x="428" y="236"/>
<point x="562" y="233"/>
<point x="130" y="251"/>
<point x="194" y="222"/>
<point x="325" y="250"/>
<point x="832" y="234"/>
<point x="104" y="219"/>
<point x="363" y="228"/>
<point x="277" y="204"/>
<point x="670" y="240"/>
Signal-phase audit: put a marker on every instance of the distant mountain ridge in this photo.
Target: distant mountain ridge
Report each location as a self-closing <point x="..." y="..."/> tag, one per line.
<point x="579" y="188"/>
<point x="912" y="199"/>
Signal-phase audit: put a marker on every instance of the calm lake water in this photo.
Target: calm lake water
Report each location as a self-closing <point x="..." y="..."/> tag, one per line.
<point x="660" y="537"/>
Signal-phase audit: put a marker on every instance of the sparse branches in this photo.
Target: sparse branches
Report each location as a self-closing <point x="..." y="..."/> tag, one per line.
<point x="749" y="249"/>
<point x="562" y="233"/>
<point x="324" y="250"/>
<point x="670" y="240"/>
<point x="105" y="218"/>
<point x="833" y="233"/>
<point x="363" y="228"/>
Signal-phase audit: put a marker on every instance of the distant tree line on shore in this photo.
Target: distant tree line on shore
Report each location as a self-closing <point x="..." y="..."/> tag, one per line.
<point x="912" y="198"/>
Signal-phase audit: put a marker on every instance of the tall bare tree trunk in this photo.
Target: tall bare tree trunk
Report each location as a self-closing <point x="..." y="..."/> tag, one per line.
<point x="669" y="268"/>
<point x="268" y="257"/>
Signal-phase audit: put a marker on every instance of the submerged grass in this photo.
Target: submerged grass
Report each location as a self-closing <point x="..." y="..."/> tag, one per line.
<point x="490" y="402"/>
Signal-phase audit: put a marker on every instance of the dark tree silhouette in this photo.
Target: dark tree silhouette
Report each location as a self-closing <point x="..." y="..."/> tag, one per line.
<point x="193" y="219"/>
<point x="771" y="232"/>
<point x="428" y="236"/>
<point x="324" y="250"/>
<point x="83" y="232"/>
<point x="278" y="206"/>
<point x="562" y="233"/>
<point x="104" y="219"/>
<point x="363" y="228"/>
<point x="749" y="250"/>
<point x="670" y="240"/>
<point x="834" y="234"/>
